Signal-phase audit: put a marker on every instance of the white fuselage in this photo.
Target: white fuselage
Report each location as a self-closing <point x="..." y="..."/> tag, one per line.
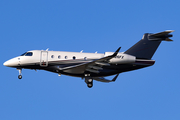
<point x="43" y="58"/>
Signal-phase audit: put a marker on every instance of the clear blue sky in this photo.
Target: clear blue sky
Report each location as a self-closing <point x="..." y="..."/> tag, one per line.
<point x="148" y="94"/>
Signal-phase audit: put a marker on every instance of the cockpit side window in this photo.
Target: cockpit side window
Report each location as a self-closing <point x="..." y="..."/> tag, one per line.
<point x="27" y="54"/>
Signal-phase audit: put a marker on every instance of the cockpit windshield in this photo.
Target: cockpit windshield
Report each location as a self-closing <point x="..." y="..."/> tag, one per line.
<point x="23" y="54"/>
<point x="27" y="54"/>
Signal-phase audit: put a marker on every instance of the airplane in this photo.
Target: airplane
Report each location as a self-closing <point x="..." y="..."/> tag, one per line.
<point x="92" y="66"/>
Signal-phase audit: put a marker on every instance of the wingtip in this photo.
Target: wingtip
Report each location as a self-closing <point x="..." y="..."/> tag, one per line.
<point x="114" y="79"/>
<point x="118" y="50"/>
<point x="115" y="53"/>
<point x="170" y="31"/>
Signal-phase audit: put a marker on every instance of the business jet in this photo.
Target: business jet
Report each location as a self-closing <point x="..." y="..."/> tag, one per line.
<point x="92" y="66"/>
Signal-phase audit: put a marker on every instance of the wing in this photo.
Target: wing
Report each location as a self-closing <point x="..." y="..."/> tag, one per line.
<point x="90" y="66"/>
<point x="102" y="79"/>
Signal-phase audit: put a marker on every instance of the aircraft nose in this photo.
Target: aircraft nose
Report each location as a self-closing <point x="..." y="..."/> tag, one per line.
<point x="5" y="63"/>
<point x="11" y="63"/>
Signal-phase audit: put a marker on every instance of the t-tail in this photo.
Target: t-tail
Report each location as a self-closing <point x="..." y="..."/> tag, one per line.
<point x="147" y="46"/>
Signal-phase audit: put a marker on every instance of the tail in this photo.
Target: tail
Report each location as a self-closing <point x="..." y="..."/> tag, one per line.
<point x="148" y="45"/>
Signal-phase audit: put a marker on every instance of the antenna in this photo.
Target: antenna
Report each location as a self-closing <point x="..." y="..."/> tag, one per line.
<point x="47" y="49"/>
<point x="81" y="51"/>
<point x="96" y="51"/>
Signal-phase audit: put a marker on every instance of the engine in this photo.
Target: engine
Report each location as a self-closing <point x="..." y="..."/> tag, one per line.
<point x="121" y="58"/>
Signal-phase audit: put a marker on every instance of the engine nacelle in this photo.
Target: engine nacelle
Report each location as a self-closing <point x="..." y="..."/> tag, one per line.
<point x="121" y="58"/>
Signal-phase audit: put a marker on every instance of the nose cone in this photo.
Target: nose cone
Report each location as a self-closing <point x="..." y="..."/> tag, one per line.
<point x="5" y="63"/>
<point x="11" y="63"/>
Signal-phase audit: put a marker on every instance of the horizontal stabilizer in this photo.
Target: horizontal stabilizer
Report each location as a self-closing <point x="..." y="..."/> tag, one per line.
<point x="161" y="36"/>
<point x="102" y="79"/>
<point x="167" y="39"/>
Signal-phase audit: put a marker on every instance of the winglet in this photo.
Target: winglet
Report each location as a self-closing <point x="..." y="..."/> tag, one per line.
<point x="102" y="79"/>
<point x="114" y="79"/>
<point x="116" y="52"/>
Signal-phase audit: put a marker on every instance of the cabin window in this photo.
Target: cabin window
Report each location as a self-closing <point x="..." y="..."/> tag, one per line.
<point x="59" y="57"/>
<point x="85" y="58"/>
<point x="74" y="57"/>
<point x="66" y="57"/>
<point x="52" y="56"/>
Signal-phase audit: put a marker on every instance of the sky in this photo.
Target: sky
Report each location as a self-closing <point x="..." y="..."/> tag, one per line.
<point x="150" y="93"/>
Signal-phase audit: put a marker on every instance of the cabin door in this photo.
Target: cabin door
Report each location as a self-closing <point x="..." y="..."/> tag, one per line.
<point x="44" y="59"/>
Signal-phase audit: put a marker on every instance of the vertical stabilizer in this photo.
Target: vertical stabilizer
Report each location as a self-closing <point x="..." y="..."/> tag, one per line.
<point x="148" y="45"/>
